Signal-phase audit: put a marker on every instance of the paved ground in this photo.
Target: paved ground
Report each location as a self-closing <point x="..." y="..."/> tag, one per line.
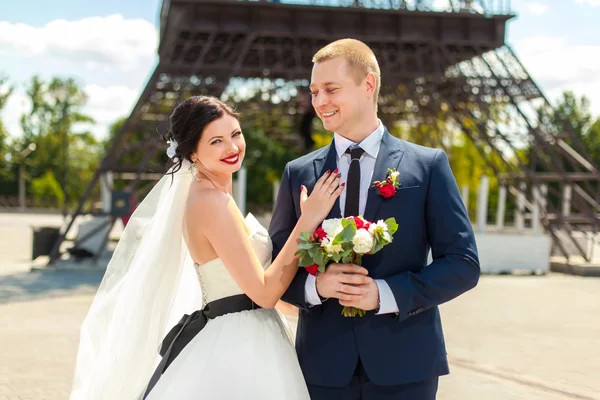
<point x="536" y="335"/>
<point x="524" y="338"/>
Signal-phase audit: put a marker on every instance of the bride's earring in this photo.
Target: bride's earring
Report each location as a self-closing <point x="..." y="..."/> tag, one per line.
<point x="194" y="171"/>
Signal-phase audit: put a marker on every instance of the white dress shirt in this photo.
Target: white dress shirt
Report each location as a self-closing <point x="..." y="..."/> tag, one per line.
<point x="371" y="146"/>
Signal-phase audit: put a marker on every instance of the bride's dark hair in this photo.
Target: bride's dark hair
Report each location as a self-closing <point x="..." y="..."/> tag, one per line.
<point x="188" y="121"/>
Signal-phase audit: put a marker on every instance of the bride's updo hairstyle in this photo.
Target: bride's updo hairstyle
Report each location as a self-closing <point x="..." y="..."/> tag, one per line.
<point x="188" y="121"/>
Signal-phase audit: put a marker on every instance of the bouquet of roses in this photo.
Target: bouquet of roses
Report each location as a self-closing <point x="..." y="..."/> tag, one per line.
<point x="343" y="240"/>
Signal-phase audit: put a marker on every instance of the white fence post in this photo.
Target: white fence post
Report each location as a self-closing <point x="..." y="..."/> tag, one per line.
<point x="566" y="200"/>
<point x="535" y="213"/>
<point x="544" y="198"/>
<point x="501" y="208"/>
<point x="482" y="203"/>
<point x="106" y="186"/>
<point x="465" y="195"/>
<point x="520" y="211"/>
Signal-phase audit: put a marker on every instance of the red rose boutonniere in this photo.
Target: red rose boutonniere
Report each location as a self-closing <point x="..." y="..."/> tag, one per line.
<point x="388" y="187"/>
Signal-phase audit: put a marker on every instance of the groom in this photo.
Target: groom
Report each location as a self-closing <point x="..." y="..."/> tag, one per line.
<point x="397" y="350"/>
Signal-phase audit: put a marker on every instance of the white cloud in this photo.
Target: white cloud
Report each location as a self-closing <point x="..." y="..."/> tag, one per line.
<point x="96" y="42"/>
<point x="15" y="106"/>
<point x="109" y="56"/>
<point x="593" y="3"/>
<point x="107" y="104"/>
<point x="536" y="8"/>
<point x="558" y="65"/>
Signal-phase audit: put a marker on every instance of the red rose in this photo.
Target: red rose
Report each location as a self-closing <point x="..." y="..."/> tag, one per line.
<point x="359" y="222"/>
<point x="313" y="269"/>
<point x="367" y="225"/>
<point x="320" y="234"/>
<point x="387" y="191"/>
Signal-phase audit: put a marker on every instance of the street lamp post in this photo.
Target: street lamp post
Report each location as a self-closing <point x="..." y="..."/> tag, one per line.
<point x="24" y="155"/>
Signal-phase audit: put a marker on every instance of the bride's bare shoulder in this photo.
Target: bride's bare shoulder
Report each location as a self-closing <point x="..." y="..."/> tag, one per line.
<point x="207" y="201"/>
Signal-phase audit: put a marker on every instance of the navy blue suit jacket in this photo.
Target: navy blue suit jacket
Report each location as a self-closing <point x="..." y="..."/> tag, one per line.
<point x="393" y="348"/>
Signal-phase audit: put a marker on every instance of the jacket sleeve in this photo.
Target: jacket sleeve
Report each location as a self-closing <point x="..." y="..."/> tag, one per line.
<point x="455" y="266"/>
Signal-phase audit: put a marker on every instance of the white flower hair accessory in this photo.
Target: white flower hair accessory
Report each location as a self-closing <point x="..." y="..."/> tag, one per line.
<point x="172" y="149"/>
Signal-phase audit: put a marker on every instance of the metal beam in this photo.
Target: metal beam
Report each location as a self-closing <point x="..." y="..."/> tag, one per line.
<point x="55" y="252"/>
<point x="556" y="177"/>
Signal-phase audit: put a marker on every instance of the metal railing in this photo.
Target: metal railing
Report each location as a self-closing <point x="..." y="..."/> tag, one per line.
<point x="476" y="7"/>
<point x="11" y="203"/>
<point x="485" y="7"/>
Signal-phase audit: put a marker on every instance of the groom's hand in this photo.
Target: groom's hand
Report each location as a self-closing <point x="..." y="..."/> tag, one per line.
<point x="368" y="301"/>
<point x="346" y="282"/>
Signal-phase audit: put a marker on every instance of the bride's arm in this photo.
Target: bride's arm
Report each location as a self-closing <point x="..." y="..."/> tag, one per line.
<point x="225" y="231"/>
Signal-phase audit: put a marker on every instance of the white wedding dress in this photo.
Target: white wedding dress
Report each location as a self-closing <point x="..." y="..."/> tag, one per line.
<point x="242" y="355"/>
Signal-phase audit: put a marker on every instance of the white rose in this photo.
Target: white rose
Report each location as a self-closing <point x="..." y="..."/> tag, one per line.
<point x="362" y="241"/>
<point x="334" y="249"/>
<point x="379" y="227"/>
<point x="332" y="227"/>
<point x="331" y="248"/>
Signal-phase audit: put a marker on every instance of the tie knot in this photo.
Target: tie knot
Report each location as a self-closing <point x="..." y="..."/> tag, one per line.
<point x="355" y="152"/>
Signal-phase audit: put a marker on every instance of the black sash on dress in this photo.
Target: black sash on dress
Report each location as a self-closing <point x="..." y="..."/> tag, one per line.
<point x="189" y="326"/>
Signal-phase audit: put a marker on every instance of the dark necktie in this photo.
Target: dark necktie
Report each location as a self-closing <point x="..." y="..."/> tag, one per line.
<point x="353" y="182"/>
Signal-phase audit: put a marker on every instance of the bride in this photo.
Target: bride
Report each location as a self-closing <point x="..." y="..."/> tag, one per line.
<point x="187" y="251"/>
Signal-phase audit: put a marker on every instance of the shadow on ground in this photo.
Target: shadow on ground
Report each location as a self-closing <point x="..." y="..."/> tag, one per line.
<point x="47" y="284"/>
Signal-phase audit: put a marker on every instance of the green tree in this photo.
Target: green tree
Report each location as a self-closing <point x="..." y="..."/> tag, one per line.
<point x="265" y="160"/>
<point x="266" y="153"/>
<point x="66" y="152"/>
<point x="591" y="141"/>
<point x="46" y="191"/>
<point x="573" y="113"/>
<point x="6" y="174"/>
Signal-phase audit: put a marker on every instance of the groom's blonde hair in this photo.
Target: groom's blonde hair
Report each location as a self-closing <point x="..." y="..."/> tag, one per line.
<point x="360" y="58"/>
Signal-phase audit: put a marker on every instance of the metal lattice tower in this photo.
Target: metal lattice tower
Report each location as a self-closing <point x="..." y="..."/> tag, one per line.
<point x="452" y="61"/>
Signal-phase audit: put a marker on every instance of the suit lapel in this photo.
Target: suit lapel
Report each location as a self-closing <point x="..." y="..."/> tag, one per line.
<point x="328" y="161"/>
<point x="389" y="157"/>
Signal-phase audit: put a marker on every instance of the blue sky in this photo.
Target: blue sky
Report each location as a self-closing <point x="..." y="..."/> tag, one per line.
<point x="109" y="46"/>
